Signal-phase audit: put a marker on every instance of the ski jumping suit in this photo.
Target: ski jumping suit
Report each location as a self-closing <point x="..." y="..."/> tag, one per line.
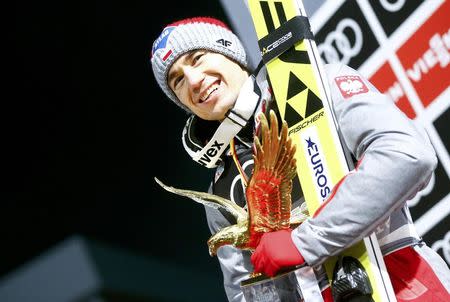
<point x="370" y="198"/>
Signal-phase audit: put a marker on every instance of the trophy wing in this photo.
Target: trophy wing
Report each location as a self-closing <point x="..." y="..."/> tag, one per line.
<point x="209" y="200"/>
<point x="269" y="190"/>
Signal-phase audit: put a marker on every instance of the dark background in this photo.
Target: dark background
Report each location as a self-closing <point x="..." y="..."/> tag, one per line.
<point x="87" y="129"/>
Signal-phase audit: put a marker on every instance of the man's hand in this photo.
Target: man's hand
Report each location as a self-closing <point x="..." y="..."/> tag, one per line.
<point x="275" y="251"/>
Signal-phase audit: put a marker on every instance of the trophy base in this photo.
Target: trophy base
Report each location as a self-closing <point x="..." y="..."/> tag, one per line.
<point x="281" y="288"/>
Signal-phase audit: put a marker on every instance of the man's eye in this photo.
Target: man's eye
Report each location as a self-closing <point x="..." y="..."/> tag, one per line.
<point x="177" y="81"/>
<point x="197" y="57"/>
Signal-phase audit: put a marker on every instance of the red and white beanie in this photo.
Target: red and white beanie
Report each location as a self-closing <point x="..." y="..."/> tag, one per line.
<point x="189" y="34"/>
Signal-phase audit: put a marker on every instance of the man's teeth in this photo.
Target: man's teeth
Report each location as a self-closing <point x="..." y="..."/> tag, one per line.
<point x="208" y="92"/>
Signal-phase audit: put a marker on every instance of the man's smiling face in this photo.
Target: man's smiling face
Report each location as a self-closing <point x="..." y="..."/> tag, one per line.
<point x="208" y="83"/>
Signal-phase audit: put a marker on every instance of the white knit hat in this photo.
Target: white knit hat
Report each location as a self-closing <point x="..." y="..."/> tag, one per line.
<point x="189" y="34"/>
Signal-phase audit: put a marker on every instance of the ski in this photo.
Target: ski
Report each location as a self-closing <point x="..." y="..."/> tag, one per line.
<point x="302" y="95"/>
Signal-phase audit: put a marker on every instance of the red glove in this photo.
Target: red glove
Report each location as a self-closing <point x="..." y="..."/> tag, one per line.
<point x="275" y="251"/>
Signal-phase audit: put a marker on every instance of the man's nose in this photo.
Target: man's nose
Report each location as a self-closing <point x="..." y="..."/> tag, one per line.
<point x="194" y="77"/>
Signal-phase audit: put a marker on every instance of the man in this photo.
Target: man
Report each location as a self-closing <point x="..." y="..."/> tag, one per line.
<point x="201" y="66"/>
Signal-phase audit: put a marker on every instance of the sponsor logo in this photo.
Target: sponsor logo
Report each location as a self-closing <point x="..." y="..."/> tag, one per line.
<point x="210" y="153"/>
<point x="277" y="43"/>
<point x="337" y="43"/>
<point x="425" y="56"/>
<point x="306" y="123"/>
<point x="224" y="42"/>
<point x="350" y="85"/>
<point x="317" y="165"/>
<point x="438" y="53"/>
<point x="161" y="41"/>
<point x="290" y="55"/>
<point x="297" y="95"/>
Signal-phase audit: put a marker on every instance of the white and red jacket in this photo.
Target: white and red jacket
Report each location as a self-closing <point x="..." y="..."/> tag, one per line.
<point x="395" y="160"/>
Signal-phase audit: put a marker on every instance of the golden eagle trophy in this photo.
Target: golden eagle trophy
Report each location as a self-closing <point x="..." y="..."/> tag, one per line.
<point x="268" y="195"/>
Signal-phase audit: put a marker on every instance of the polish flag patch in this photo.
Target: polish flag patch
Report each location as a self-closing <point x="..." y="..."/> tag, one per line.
<point x="350" y="85"/>
<point x="167" y="55"/>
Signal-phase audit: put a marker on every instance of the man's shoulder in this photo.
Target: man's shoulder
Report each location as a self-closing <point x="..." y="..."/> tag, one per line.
<point x="332" y="69"/>
<point x="339" y="70"/>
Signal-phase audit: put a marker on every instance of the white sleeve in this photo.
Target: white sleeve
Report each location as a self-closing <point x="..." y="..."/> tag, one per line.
<point x="395" y="161"/>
